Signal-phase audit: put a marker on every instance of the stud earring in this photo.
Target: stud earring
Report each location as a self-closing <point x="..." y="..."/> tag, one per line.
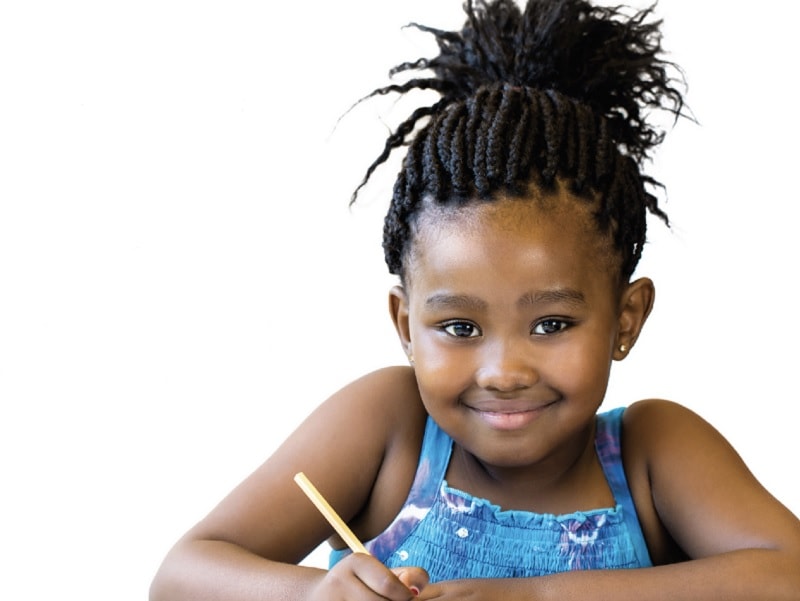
<point x="623" y="348"/>
<point x="411" y="360"/>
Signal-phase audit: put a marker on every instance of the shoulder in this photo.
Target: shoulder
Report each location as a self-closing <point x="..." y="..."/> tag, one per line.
<point x="653" y="426"/>
<point x="377" y="410"/>
<point x="393" y="381"/>
<point x="387" y="394"/>
<point x="655" y="414"/>
<point x="693" y="492"/>
<point x="660" y="435"/>
<point x="656" y="440"/>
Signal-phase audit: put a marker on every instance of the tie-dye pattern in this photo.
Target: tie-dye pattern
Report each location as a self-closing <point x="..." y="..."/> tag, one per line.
<point x="455" y="535"/>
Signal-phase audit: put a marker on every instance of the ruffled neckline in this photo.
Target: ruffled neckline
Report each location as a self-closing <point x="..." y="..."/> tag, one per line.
<point x="463" y="502"/>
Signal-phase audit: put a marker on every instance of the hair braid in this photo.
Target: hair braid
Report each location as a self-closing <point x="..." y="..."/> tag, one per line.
<point x="528" y="139"/>
<point x="496" y="146"/>
<point x="552" y="136"/>
<point x="458" y="149"/>
<point x="480" y="168"/>
<point x="517" y="155"/>
<point x="432" y="168"/>
<point x="586" y="146"/>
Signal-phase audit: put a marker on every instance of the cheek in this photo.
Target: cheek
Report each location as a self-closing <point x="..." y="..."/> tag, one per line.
<point x="582" y="367"/>
<point x="432" y="358"/>
<point x="440" y="368"/>
<point x="438" y="383"/>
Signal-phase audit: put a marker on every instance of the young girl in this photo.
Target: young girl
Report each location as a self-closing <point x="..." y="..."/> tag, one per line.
<point x="485" y="469"/>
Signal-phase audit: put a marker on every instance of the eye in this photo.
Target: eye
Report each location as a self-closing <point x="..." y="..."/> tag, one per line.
<point x="461" y="329"/>
<point x="549" y="326"/>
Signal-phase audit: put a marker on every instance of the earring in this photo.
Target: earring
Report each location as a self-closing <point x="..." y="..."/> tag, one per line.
<point x="623" y="348"/>
<point x="411" y="360"/>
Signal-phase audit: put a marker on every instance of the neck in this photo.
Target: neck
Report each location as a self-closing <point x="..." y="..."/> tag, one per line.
<point x="569" y="479"/>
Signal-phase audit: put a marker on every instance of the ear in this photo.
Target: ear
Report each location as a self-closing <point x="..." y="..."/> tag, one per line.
<point x="635" y="305"/>
<point x="398" y="309"/>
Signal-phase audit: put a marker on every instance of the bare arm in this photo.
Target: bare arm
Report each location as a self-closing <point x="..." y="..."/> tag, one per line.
<point x="752" y="575"/>
<point x="249" y="545"/>
<point x="207" y="569"/>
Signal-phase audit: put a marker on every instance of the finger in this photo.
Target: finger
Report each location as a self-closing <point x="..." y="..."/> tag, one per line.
<point x="414" y="578"/>
<point x="379" y="579"/>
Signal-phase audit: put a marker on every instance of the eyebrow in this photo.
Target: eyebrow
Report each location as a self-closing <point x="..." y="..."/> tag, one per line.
<point x="455" y="301"/>
<point x="567" y="296"/>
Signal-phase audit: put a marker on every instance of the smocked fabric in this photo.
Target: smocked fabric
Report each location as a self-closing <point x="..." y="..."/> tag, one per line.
<point x="454" y="535"/>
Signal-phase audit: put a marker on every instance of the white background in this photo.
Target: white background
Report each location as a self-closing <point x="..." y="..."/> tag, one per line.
<point x="181" y="280"/>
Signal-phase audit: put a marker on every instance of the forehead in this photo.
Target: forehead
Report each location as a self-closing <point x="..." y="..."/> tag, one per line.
<point x="521" y="241"/>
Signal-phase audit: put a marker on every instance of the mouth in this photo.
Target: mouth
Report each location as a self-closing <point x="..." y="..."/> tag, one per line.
<point x="511" y="418"/>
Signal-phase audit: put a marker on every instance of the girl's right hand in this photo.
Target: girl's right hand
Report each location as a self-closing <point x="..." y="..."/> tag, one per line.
<point x="360" y="577"/>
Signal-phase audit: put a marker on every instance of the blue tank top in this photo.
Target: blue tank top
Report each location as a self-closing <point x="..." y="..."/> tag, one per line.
<point x="454" y="535"/>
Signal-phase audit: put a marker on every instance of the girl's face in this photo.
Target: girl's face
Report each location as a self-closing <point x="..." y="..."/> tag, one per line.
<point x="512" y="314"/>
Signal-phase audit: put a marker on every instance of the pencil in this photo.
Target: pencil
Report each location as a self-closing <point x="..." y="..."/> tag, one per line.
<point x="329" y="514"/>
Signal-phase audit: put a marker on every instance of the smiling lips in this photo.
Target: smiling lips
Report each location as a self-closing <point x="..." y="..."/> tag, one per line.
<point x="511" y="418"/>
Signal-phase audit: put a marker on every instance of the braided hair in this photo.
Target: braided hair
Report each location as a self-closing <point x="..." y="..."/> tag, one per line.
<point x="560" y="89"/>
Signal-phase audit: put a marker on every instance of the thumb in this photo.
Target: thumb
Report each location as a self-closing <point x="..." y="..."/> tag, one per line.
<point x="414" y="578"/>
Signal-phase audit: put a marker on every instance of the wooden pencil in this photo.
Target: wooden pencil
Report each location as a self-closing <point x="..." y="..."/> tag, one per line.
<point x="329" y="514"/>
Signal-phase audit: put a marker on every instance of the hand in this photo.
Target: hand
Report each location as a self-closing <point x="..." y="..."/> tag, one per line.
<point x="360" y="577"/>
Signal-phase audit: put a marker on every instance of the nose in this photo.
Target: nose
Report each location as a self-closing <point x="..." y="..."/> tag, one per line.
<point x="507" y="366"/>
